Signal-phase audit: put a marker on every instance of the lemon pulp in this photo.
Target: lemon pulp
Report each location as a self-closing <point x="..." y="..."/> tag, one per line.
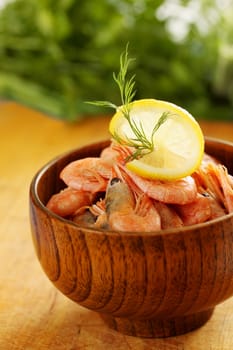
<point x="178" y="142"/>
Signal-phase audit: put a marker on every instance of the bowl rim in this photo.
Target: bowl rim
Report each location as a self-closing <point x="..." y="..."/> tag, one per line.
<point x="34" y="197"/>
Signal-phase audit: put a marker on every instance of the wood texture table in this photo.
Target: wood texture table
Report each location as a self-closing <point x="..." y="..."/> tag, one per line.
<point x="33" y="314"/>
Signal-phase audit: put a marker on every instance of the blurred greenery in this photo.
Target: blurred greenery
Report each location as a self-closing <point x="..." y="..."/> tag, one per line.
<point x="57" y="54"/>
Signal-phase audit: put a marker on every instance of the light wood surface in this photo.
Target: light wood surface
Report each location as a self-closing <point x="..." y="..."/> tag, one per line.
<point x="33" y="314"/>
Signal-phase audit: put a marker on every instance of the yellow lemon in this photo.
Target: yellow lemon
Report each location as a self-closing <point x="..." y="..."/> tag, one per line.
<point x="178" y="143"/>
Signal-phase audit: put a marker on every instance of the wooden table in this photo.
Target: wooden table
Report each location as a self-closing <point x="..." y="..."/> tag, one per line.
<point x="33" y="314"/>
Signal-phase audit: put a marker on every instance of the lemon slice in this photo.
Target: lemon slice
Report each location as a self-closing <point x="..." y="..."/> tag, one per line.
<point x="178" y="142"/>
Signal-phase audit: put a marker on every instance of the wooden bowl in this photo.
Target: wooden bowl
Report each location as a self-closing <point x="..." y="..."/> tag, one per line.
<point x="143" y="284"/>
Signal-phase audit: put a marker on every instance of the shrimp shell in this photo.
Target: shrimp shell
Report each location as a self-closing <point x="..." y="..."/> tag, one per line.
<point x="87" y="174"/>
<point x="195" y="212"/>
<point x="174" y="192"/>
<point x="169" y="217"/>
<point x="68" y="201"/>
<point x="124" y="214"/>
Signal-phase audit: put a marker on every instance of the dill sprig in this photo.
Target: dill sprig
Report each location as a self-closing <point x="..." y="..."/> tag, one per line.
<point x="126" y="86"/>
<point x="140" y="144"/>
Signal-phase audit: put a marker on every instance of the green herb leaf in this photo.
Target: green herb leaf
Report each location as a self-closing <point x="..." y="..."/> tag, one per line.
<point x="140" y="143"/>
<point x="126" y="86"/>
<point x="102" y="104"/>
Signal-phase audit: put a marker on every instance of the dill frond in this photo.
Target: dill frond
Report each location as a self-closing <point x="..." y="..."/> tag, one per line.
<point x="140" y="144"/>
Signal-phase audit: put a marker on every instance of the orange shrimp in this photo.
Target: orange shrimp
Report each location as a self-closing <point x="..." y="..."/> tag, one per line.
<point x="124" y="213"/>
<point x="99" y="211"/>
<point x="169" y="217"/>
<point x="87" y="174"/>
<point x="109" y="154"/>
<point x="68" y="201"/>
<point x="216" y="209"/>
<point x="174" y="192"/>
<point x="221" y="175"/>
<point x="215" y="179"/>
<point x="195" y="212"/>
<point x="115" y="153"/>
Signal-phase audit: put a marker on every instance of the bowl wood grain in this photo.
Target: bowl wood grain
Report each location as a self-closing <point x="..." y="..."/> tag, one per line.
<point x="143" y="284"/>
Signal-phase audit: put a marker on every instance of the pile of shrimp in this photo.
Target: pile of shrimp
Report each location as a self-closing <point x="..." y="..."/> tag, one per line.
<point x="102" y="193"/>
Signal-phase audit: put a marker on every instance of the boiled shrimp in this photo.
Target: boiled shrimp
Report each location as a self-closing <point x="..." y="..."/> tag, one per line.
<point x="133" y="203"/>
<point x="124" y="213"/>
<point x="68" y="201"/>
<point x="174" y="192"/>
<point x="220" y="173"/>
<point x="217" y="209"/>
<point x="109" y="154"/>
<point x="215" y="178"/>
<point x="87" y="174"/>
<point x="98" y="209"/>
<point x="169" y="217"/>
<point x="195" y="212"/>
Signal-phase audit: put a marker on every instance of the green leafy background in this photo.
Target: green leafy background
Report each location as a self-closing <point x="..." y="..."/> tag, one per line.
<point x="57" y="54"/>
